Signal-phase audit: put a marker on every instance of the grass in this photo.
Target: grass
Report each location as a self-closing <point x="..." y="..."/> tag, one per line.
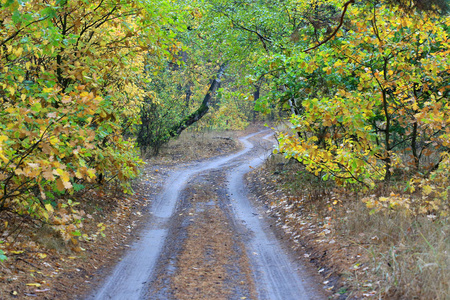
<point x="409" y="255"/>
<point x="197" y="145"/>
<point x="393" y="254"/>
<point x="50" y="239"/>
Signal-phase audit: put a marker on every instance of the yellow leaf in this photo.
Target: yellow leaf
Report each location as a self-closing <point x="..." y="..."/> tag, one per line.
<point x="49" y="207"/>
<point x="63" y="175"/>
<point x="3" y="157"/>
<point x="427" y="190"/>
<point x="34" y="284"/>
<point x="54" y="140"/>
<point x="42" y="255"/>
<point x="66" y="99"/>
<point x="18" y="51"/>
<point x="338" y="63"/>
<point x="16" y="252"/>
<point x="91" y="173"/>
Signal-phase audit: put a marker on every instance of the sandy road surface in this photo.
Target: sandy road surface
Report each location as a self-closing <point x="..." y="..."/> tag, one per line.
<point x="205" y="240"/>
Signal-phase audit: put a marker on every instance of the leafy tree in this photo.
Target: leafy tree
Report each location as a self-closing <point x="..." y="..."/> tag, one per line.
<point x="387" y="72"/>
<point x="68" y="73"/>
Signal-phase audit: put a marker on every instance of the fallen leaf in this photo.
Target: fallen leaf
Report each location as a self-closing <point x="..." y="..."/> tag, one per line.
<point x="34" y="284"/>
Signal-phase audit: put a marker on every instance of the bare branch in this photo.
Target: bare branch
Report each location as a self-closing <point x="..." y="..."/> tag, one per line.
<point x="333" y="34"/>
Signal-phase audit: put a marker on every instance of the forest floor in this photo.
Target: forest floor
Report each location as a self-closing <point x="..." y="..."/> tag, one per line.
<point x="205" y="257"/>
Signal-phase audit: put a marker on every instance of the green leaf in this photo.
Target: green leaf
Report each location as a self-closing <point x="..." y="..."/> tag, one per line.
<point x="78" y="187"/>
<point x="76" y="233"/>
<point x="3" y="256"/>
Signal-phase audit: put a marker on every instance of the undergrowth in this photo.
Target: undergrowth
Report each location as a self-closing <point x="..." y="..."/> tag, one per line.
<point x="389" y="254"/>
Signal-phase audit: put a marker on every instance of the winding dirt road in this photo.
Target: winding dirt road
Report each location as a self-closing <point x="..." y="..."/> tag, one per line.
<point x="206" y="240"/>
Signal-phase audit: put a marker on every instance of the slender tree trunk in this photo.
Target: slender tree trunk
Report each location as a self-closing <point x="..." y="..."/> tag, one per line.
<point x="387" y="159"/>
<point x="387" y="130"/>
<point x="414" y="146"/>
<point x="256" y="95"/>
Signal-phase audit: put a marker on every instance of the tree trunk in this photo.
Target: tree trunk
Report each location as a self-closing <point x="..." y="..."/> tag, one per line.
<point x="204" y="107"/>
<point x="256" y="95"/>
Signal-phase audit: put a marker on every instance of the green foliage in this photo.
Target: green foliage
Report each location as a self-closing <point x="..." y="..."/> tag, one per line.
<point x="68" y="70"/>
<point x="369" y="98"/>
<point x="2" y="256"/>
<point x="366" y="83"/>
<point x="156" y="124"/>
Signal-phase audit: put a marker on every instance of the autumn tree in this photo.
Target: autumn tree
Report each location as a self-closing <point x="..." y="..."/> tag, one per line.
<point x="69" y="73"/>
<point x="366" y="82"/>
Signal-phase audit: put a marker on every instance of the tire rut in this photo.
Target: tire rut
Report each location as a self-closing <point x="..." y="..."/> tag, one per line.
<point x="211" y="261"/>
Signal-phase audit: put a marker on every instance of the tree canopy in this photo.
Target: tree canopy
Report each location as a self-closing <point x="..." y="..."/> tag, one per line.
<point x="85" y="85"/>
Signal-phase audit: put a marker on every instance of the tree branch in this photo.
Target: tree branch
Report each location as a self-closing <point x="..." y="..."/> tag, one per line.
<point x="333" y="34"/>
<point x="204" y="107"/>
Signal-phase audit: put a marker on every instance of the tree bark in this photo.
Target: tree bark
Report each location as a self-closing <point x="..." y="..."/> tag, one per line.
<point x="256" y="95"/>
<point x="204" y="107"/>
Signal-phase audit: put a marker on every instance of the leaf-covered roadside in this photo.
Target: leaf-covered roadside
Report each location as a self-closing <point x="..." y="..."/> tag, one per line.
<point x="387" y="255"/>
<point x="42" y="265"/>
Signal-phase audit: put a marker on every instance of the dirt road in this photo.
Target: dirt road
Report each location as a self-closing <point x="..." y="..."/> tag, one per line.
<point x="206" y="240"/>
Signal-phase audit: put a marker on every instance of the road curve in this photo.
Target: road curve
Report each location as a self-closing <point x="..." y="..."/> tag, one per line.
<point x="274" y="274"/>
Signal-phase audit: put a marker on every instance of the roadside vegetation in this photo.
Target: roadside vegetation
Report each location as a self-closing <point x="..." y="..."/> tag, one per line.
<point x="390" y="254"/>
